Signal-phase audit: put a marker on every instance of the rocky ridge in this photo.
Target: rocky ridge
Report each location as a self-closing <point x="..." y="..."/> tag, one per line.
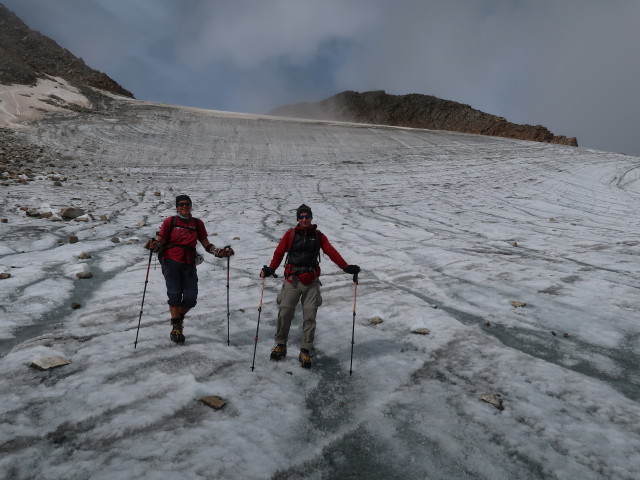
<point x="26" y="55"/>
<point x="417" y="111"/>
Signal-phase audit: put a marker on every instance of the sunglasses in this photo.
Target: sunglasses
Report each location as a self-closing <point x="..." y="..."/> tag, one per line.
<point x="300" y="217"/>
<point x="184" y="204"/>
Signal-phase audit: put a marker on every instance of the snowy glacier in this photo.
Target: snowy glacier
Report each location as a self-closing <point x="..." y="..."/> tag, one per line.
<point x="520" y="258"/>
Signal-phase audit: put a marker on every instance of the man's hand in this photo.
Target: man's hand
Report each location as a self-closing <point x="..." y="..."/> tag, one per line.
<point x="352" y="269"/>
<point x="267" y="272"/>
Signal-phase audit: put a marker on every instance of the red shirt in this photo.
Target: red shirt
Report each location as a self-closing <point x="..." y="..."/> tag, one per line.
<point x="182" y="236"/>
<point x="325" y="246"/>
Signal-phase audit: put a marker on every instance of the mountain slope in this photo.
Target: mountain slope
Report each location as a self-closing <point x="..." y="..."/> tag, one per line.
<point x="417" y="111"/>
<point x="26" y="56"/>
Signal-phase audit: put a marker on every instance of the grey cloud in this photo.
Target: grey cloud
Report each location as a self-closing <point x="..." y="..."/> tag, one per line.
<point x="571" y="65"/>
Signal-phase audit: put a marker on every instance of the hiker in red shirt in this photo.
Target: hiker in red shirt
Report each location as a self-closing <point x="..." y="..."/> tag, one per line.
<point x="302" y="245"/>
<point x="176" y="248"/>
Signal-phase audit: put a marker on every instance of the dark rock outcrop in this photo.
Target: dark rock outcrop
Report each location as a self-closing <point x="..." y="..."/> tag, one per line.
<point x="417" y="111"/>
<point x="26" y="55"/>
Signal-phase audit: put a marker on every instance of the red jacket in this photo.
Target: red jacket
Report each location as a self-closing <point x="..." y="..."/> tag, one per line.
<point x="185" y="233"/>
<point x="287" y="240"/>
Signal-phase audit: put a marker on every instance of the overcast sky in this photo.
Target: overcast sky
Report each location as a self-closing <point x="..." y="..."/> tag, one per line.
<point x="570" y="65"/>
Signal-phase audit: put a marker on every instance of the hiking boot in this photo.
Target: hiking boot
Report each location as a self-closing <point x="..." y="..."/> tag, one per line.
<point x="176" y="332"/>
<point x="304" y="358"/>
<point x="279" y="352"/>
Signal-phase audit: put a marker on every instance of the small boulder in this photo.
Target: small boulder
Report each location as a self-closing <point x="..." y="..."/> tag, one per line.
<point x="84" y="275"/>
<point x="494" y="399"/>
<point x="421" y="331"/>
<point x="84" y="255"/>
<point x="48" y="363"/>
<point x="375" y="320"/>
<point x="4" y="275"/>
<point x="69" y="213"/>
<point x="75" y="306"/>
<point x="214" y="401"/>
<point x="115" y="239"/>
<point x="73" y="239"/>
<point x="518" y="304"/>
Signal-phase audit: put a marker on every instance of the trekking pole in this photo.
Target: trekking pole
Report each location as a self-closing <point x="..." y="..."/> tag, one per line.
<point x="353" y="328"/>
<point x="143" y="295"/>
<point x="255" y="345"/>
<point x="228" y="313"/>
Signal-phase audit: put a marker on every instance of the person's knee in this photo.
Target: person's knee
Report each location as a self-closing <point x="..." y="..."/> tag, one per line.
<point x="175" y="299"/>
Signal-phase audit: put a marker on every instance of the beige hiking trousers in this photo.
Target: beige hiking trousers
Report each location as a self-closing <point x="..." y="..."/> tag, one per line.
<point x="288" y="298"/>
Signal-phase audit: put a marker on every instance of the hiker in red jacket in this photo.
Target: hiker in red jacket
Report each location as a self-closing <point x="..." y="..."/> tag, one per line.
<point x="176" y="249"/>
<point x="302" y="245"/>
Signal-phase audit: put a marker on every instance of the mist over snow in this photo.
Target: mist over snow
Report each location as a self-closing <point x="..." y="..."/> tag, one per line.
<point x="451" y="231"/>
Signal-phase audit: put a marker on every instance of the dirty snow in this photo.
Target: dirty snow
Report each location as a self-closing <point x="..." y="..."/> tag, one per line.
<point x="431" y="217"/>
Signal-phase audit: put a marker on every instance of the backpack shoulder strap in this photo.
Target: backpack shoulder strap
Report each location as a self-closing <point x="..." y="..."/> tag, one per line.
<point x="318" y="240"/>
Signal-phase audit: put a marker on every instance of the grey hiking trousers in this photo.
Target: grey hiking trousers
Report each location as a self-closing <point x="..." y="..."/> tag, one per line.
<point x="288" y="298"/>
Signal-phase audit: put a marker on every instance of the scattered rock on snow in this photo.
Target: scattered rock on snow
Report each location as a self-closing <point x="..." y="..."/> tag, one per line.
<point x="73" y="239"/>
<point x="214" y="401"/>
<point x="84" y="255"/>
<point x="375" y="320"/>
<point x="84" y="275"/>
<point x="513" y="244"/>
<point x="493" y="398"/>
<point x="421" y="331"/>
<point x="141" y="223"/>
<point x="69" y="213"/>
<point x="115" y="239"/>
<point x="4" y="275"/>
<point x="75" y="306"/>
<point x="517" y="304"/>
<point x="48" y="363"/>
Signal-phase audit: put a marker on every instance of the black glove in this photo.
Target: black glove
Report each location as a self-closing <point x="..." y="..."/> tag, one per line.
<point x="153" y="245"/>
<point x="352" y="269"/>
<point x="268" y="272"/>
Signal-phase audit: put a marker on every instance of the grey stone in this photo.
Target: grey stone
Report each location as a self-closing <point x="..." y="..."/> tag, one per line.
<point x="494" y="399"/>
<point x="48" y="363"/>
<point x="69" y="213"/>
